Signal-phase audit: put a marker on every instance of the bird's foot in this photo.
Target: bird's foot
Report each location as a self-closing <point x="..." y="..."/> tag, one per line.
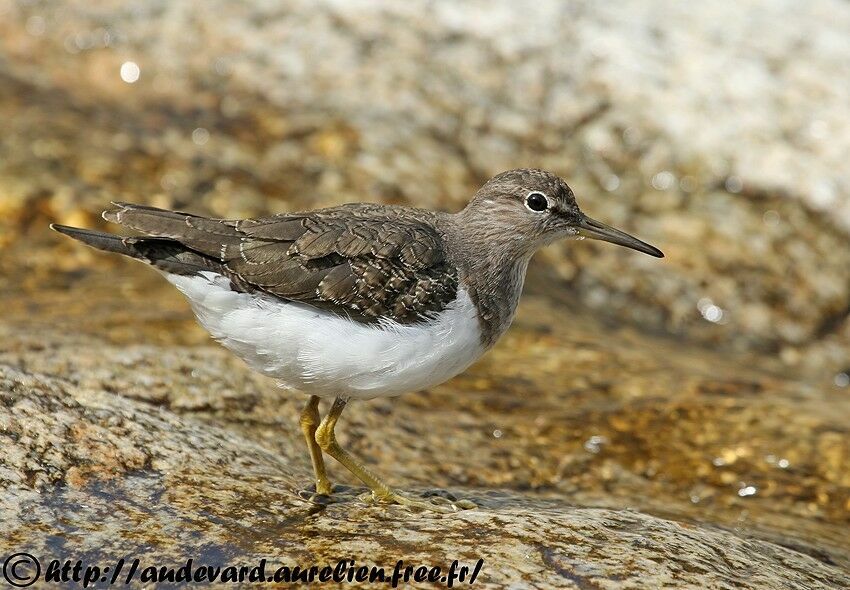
<point x="336" y="493"/>
<point x="432" y="500"/>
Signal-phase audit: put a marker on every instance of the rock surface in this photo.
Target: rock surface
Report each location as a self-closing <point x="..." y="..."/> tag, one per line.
<point x="167" y="448"/>
<point x="140" y="481"/>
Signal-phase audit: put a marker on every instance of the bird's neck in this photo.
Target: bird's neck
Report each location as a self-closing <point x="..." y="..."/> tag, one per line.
<point x="491" y="268"/>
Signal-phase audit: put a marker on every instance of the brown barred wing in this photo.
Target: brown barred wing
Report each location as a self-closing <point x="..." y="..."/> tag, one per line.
<point x="365" y="261"/>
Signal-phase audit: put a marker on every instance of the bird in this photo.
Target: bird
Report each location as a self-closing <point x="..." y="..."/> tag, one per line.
<point x="361" y="300"/>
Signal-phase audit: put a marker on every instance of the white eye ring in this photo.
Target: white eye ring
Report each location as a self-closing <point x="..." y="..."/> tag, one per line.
<point x="533" y="202"/>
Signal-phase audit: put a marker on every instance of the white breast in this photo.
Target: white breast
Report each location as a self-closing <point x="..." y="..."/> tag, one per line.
<point x="322" y="354"/>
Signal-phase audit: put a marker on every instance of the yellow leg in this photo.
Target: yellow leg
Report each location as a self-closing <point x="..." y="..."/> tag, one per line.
<point x="381" y="492"/>
<point x="326" y="440"/>
<point x="309" y="424"/>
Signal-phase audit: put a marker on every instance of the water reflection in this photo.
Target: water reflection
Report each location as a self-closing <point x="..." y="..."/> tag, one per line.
<point x="130" y="72"/>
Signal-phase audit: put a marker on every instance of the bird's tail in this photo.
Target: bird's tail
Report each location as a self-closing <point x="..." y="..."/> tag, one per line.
<point x="100" y="240"/>
<point x="165" y="254"/>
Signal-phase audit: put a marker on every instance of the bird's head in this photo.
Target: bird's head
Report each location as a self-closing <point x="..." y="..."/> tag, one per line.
<point x="527" y="209"/>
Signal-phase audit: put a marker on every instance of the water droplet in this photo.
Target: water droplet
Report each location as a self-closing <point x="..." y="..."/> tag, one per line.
<point x="771" y="218"/>
<point x="497" y="433"/>
<point x="774" y="460"/>
<point x="747" y="491"/>
<point x="711" y="312"/>
<point x="734" y="184"/>
<point x="841" y="380"/>
<point x="695" y="499"/>
<point x="663" y="180"/>
<point x="611" y="183"/>
<point x="718" y="461"/>
<point x="594" y="443"/>
<point x="130" y="72"/>
<point x="200" y="136"/>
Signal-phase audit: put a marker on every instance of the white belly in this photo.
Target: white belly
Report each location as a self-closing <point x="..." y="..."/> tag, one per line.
<point x="322" y="354"/>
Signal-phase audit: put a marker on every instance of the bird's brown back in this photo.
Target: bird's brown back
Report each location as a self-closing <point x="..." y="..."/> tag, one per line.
<point x="365" y="261"/>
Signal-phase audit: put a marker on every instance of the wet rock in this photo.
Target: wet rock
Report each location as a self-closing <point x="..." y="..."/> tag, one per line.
<point x="565" y="411"/>
<point x="89" y="475"/>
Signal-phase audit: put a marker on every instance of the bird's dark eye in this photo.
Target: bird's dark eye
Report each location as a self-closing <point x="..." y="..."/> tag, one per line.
<point x="537" y="201"/>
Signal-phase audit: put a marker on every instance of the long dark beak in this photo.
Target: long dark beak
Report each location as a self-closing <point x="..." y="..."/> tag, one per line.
<point x="596" y="230"/>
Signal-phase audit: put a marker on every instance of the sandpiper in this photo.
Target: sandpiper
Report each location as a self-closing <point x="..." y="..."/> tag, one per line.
<point x="361" y="300"/>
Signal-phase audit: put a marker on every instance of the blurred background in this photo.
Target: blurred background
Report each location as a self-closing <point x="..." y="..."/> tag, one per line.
<point x="714" y="383"/>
